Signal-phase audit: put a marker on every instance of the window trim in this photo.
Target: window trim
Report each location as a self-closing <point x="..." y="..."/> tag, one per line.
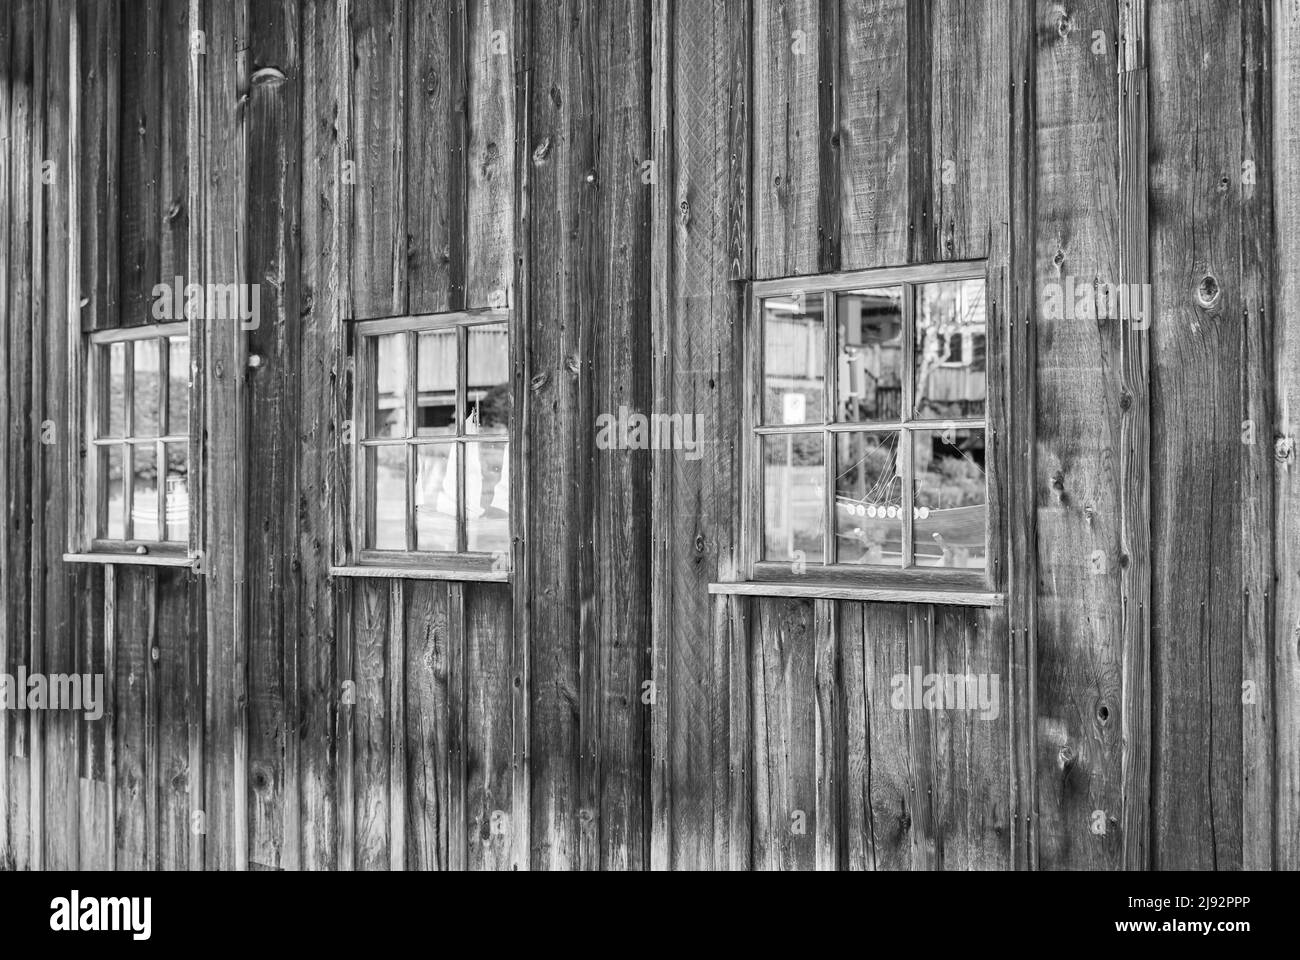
<point x="86" y="546"/>
<point x="362" y="561"/>
<point x="779" y="575"/>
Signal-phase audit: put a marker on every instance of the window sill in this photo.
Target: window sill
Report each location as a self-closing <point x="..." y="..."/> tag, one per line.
<point x="379" y="572"/>
<point x="813" y="591"/>
<point x="133" y="559"/>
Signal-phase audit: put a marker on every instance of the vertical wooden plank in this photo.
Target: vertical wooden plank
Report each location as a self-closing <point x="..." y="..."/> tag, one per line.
<point x="428" y="634"/>
<point x="785" y="775"/>
<point x="96" y="830"/>
<point x="172" y="668"/>
<point x="371" y="721"/>
<point x="489" y="161"/>
<point x="873" y="134"/>
<point x="134" y="636"/>
<point x="141" y="173"/>
<point x="1286" y="653"/>
<point x="887" y="789"/>
<point x="701" y="247"/>
<point x="98" y="124"/>
<point x="378" y="106"/>
<point x="321" y="388"/>
<point x="922" y="745"/>
<point x="1259" y="407"/>
<point x="1079" y="503"/>
<point x="224" y="77"/>
<point x="395" y="671"/>
<point x="7" y="837"/>
<point x="457" y="746"/>
<point x="831" y="749"/>
<point x="434" y="156"/>
<point x="972" y="763"/>
<point x="274" y="182"/>
<point x="855" y="793"/>
<point x="1196" y="435"/>
<point x="787" y="159"/>
<point x="489" y="727"/>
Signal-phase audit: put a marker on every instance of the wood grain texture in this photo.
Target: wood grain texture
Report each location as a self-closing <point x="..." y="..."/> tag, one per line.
<point x="428" y="796"/>
<point x="1286" y="637"/>
<point x="1078" y="493"/>
<point x="1198" y="539"/>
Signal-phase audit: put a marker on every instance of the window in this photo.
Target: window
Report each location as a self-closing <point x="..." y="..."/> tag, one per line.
<point x="138" y="428"/>
<point x="868" y="428"/>
<point x="432" y="448"/>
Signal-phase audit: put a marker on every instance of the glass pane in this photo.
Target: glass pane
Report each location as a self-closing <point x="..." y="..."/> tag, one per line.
<point x="436" y="406"/>
<point x="148" y="395"/>
<point x="794" y="359"/>
<point x="388" y="508"/>
<point x="178" y="493"/>
<point x="114" y="424"/>
<point x="144" y="496"/>
<point x="868" y="499"/>
<point x="951" y="382"/>
<point x="112" y="511"/>
<point x="487" y="497"/>
<point x="950" y="513"/>
<point x="869" y="351"/>
<point x="178" y="386"/>
<point x="794" y="497"/>
<point x="487" y="389"/>
<point x="435" y="497"/>
<point x="390" y="377"/>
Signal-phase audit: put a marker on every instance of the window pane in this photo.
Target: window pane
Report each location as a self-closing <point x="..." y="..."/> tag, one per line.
<point x="794" y="497"/>
<point x="112" y="510"/>
<point x="114" y="424"/>
<point x="951" y="382"/>
<point x="390" y="376"/>
<point x="178" y="493"/>
<point x="951" y="504"/>
<point x="148" y="396"/>
<point x="487" y="497"/>
<point x="435" y="497"/>
<point x="794" y="359"/>
<point x="436" y="407"/>
<point x="868" y="499"/>
<point x="178" y="386"/>
<point x="487" y="391"/>
<point x="387" y="471"/>
<point x="869" y="351"/>
<point x="144" y="496"/>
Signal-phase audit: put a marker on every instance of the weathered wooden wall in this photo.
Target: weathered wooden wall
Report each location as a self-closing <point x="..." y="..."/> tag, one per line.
<point x="615" y="173"/>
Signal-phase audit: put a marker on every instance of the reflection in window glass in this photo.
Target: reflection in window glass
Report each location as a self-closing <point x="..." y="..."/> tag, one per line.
<point x="388" y="506"/>
<point x="144" y="494"/>
<point x="436" y="404"/>
<point x="148" y="392"/>
<point x="951" y="501"/>
<point x="389" y="414"/>
<point x="177" y="493"/>
<point x="951" y="383"/>
<point x="115" y="423"/>
<point x="869" y="351"/>
<point x="178" y="391"/>
<point x="487" y="387"/>
<point x="113" y="504"/>
<point x="794" y="360"/>
<point x="487" y="497"/>
<point x="868" y="499"/>
<point x="436" y="497"/>
<point x="794" y="497"/>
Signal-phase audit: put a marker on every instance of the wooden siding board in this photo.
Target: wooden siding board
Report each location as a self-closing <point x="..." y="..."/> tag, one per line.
<point x="489" y="733"/>
<point x="428" y="634"/>
<point x="370" y="635"/>
<point x="489" y="153"/>
<point x="140" y="211"/>
<point x="1285" y="652"/>
<point x="1196" y="430"/>
<point x="273" y="410"/>
<point x="1078" y="502"/>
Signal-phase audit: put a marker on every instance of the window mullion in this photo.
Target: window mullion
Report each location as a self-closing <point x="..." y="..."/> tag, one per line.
<point x="462" y="449"/>
<point x="412" y="406"/>
<point x="830" y="408"/>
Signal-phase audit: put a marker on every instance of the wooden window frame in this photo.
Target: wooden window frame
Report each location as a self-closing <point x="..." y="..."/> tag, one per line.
<point x="85" y="544"/>
<point x="414" y="563"/>
<point x="779" y="576"/>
